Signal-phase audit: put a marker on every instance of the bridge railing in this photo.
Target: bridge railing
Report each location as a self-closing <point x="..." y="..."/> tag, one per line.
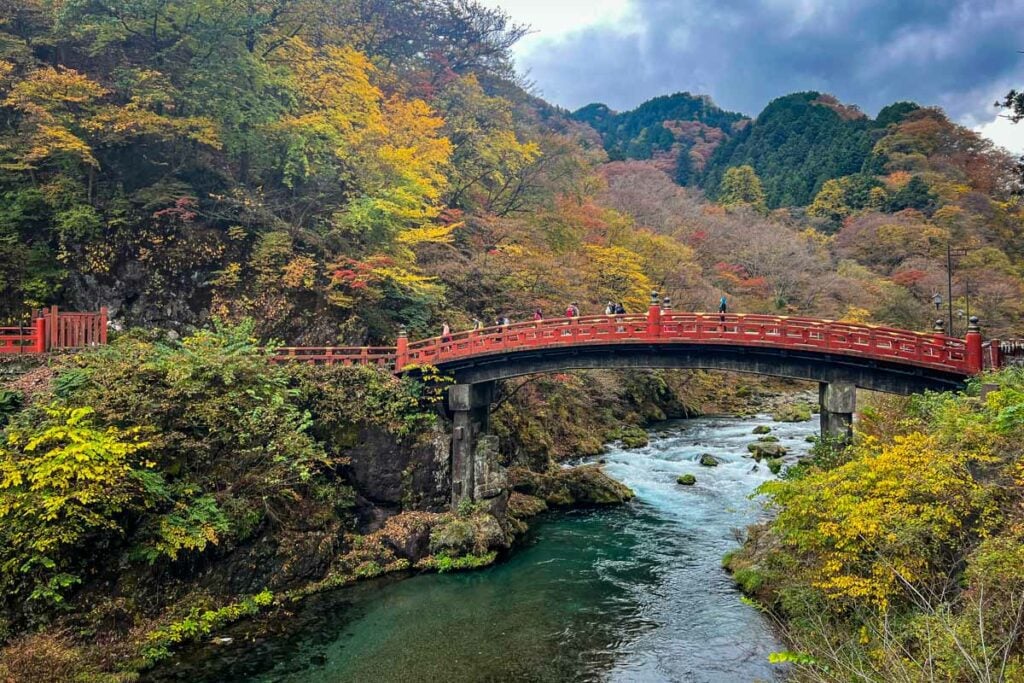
<point x="660" y="326"/>
<point x="867" y="341"/>
<point x="51" y="329"/>
<point x="383" y="356"/>
<point x="809" y="333"/>
<point x="526" y="335"/>
<point x="998" y="353"/>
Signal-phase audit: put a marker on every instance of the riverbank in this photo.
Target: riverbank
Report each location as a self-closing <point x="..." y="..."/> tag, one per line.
<point x="620" y="593"/>
<point x="899" y="557"/>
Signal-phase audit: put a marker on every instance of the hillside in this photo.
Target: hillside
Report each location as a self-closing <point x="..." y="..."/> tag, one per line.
<point x="681" y="131"/>
<point x="800" y="141"/>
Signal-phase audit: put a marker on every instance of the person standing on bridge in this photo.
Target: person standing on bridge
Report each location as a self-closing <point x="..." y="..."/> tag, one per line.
<point x="723" y="308"/>
<point x="573" y="311"/>
<point x="610" y="308"/>
<point x="446" y="333"/>
<point x="538" y="315"/>
<point x="620" y="309"/>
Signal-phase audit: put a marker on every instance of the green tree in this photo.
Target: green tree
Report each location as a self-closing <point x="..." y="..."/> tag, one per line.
<point x="830" y="204"/>
<point x="741" y="187"/>
<point x="65" y="486"/>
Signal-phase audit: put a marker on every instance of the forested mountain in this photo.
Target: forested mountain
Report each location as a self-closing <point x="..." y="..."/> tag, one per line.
<point x="800" y="141"/>
<point x="683" y="129"/>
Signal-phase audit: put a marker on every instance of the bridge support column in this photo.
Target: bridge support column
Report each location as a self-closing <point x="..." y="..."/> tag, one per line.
<point x="476" y="474"/>
<point x="838" y="402"/>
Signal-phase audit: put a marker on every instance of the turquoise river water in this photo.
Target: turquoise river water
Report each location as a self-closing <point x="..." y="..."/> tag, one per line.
<point x="632" y="593"/>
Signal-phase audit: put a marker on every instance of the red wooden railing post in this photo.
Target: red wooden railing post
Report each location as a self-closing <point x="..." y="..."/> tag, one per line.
<point x="654" y="317"/>
<point x="401" y="349"/>
<point x="39" y="335"/>
<point x="995" y="361"/>
<point x="974" y="344"/>
<point x="103" y="325"/>
<point x="53" y="329"/>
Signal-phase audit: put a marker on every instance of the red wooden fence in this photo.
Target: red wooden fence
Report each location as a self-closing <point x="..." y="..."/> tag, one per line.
<point x="52" y="330"/>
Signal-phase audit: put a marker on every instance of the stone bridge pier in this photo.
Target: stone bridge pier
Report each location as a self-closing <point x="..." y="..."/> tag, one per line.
<point x="837" y="402"/>
<point x="476" y="473"/>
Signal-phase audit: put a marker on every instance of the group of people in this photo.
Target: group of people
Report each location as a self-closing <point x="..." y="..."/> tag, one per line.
<point x="571" y="311"/>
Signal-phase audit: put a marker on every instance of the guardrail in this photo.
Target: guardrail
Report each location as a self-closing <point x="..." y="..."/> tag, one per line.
<point x="864" y="341"/>
<point x="999" y="353"/>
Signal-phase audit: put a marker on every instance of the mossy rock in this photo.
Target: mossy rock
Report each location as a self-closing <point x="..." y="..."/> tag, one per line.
<point x="630" y="436"/>
<point x="760" y="449"/>
<point x="686" y="479"/>
<point x="708" y="460"/>
<point x="811" y="438"/>
<point x="775" y="465"/>
<point x="768" y="439"/>
<point x="583" y="485"/>
<point x="522" y="506"/>
<point x="797" y="412"/>
<point x="762" y="429"/>
<point x="749" y="580"/>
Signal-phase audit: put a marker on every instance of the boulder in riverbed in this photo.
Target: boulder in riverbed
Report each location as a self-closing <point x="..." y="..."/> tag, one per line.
<point x="762" y="429"/>
<point x="686" y="479"/>
<point x="708" y="460"/>
<point x="796" y="412"/>
<point x="760" y="449"/>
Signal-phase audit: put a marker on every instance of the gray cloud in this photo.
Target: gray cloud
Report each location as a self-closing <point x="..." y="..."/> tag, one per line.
<point x="959" y="54"/>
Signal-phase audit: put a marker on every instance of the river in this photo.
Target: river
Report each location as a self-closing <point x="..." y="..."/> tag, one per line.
<point x="631" y="593"/>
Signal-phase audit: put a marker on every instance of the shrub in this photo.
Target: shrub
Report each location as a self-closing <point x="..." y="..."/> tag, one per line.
<point x="65" y="486"/>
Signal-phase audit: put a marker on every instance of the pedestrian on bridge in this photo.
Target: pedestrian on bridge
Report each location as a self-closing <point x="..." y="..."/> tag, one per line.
<point x="573" y="311"/>
<point x="446" y="333"/>
<point x="723" y="308"/>
<point x="620" y="309"/>
<point x="538" y="315"/>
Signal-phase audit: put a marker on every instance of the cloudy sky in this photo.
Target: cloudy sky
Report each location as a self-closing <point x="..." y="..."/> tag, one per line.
<point x="959" y="54"/>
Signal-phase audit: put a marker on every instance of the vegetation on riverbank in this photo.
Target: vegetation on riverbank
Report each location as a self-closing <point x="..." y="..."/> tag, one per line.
<point x="899" y="557"/>
<point x="155" y="490"/>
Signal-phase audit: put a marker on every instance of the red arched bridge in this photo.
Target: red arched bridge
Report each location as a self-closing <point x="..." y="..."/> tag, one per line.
<point x="841" y="357"/>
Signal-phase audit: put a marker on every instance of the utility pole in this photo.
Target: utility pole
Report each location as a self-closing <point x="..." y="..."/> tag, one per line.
<point x="949" y="284"/>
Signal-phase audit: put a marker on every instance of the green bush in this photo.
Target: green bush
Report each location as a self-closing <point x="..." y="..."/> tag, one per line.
<point x="66" y="486"/>
<point x="10" y="402"/>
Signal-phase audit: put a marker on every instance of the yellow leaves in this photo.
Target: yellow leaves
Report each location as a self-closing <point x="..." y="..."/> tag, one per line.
<point x="53" y="91"/>
<point x="300" y="273"/>
<point x="856" y="315"/>
<point x="49" y="141"/>
<point x="618" y="276"/>
<point x="879" y="519"/>
<point x="336" y="84"/>
<point x="408" y="280"/>
<point x="429" y="234"/>
<point x="116" y="123"/>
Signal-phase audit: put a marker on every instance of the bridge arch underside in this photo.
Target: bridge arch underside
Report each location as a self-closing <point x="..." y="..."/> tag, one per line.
<point x="826" y="368"/>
